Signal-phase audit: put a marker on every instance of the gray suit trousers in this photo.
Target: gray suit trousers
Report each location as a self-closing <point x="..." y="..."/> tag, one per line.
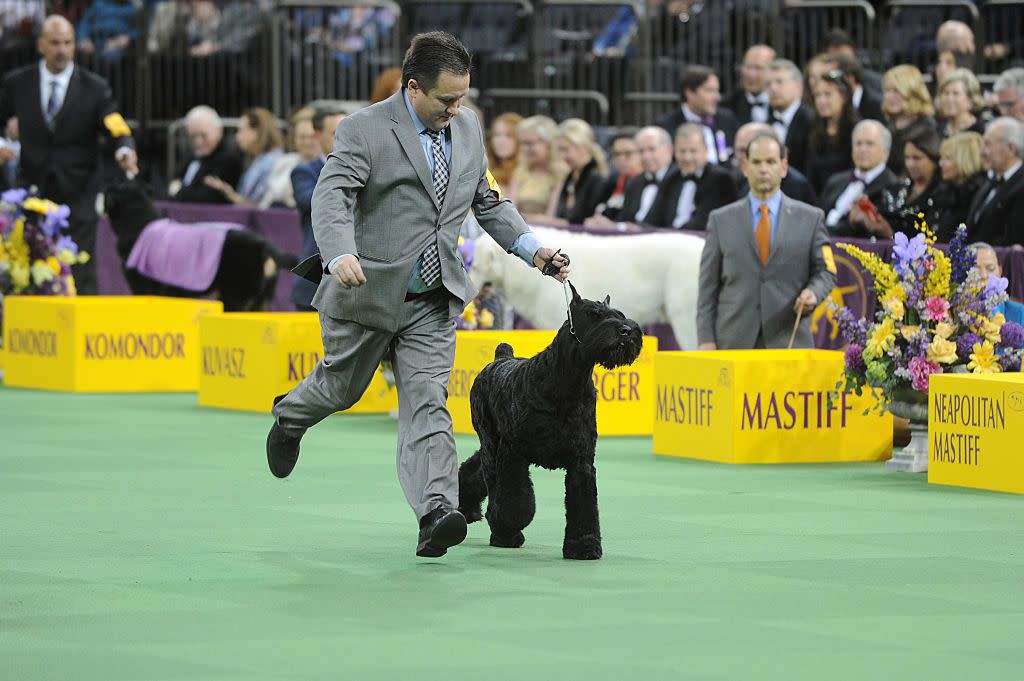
<point x="422" y="353"/>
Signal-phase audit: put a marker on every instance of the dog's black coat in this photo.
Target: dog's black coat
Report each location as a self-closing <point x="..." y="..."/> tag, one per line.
<point x="542" y="411"/>
<point x="240" y="283"/>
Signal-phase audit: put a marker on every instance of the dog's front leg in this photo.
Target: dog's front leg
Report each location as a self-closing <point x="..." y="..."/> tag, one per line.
<point x="582" y="527"/>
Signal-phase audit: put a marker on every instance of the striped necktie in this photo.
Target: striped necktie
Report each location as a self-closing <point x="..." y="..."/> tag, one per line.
<point x="53" y="103"/>
<point x="430" y="261"/>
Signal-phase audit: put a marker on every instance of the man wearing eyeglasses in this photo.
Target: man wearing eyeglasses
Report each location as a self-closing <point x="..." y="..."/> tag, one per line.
<point x="1009" y="91"/>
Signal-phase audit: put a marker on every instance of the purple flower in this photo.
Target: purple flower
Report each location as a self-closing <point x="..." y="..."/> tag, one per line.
<point x="854" y="330"/>
<point x="5" y="224"/>
<point x="56" y="220"/>
<point x="920" y="370"/>
<point x="995" y="285"/>
<point x="66" y="242"/>
<point x="965" y="344"/>
<point x="15" y="196"/>
<point x="908" y="250"/>
<point x="1012" y="335"/>
<point x="855" y="359"/>
<point x="961" y="259"/>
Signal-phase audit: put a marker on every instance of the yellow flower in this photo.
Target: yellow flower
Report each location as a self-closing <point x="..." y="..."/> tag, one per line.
<point x="881" y="340"/>
<point x="67" y="257"/>
<point x="983" y="359"/>
<point x="944" y="330"/>
<point x="909" y="331"/>
<point x="992" y="328"/>
<point x="19" y="276"/>
<point x="469" y="314"/>
<point x="69" y="281"/>
<point x="894" y="308"/>
<point x="53" y="264"/>
<point x="942" y="351"/>
<point x="41" y="272"/>
<point x="83" y="257"/>
<point x="486" y="319"/>
<point x="937" y="284"/>
<point x="884" y="274"/>
<point x="37" y="205"/>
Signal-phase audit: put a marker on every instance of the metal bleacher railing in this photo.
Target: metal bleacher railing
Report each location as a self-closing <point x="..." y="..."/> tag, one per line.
<point x="612" y="62"/>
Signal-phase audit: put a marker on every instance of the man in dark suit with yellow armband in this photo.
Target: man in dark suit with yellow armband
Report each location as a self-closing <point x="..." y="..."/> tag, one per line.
<point x="62" y="110"/>
<point x="766" y="261"/>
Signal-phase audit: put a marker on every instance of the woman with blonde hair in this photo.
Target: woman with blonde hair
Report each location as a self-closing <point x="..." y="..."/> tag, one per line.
<point x="907" y="106"/>
<point x="539" y="169"/>
<point x="503" y="147"/>
<point x="963" y="175"/>
<point x="261" y="141"/>
<point x="301" y="147"/>
<point x="959" y="102"/>
<point x="583" y="186"/>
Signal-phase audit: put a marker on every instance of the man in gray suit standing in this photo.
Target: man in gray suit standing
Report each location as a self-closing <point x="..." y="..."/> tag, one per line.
<point x="386" y="216"/>
<point x="765" y="257"/>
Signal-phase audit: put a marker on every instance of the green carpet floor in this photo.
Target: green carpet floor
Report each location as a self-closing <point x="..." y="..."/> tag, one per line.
<point x="143" y="539"/>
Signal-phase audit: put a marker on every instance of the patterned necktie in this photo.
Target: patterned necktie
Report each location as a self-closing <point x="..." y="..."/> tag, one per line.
<point x="430" y="261"/>
<point x="52" y="104"/>
<point x="764" y="234"/>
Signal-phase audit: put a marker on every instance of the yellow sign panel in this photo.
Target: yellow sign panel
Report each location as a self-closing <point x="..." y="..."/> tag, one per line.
<point x="763" y="406"/>
<point x="975" y="428"/>
<point x="104" y="344"/>
<point x="625" y="396"/>
<point x="248" y="359"/>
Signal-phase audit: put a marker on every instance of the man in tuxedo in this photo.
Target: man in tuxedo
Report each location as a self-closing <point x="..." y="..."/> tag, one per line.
<point x="642" y="192"/>
<point x="387" y="212"/>
<point x="304" y="176"/>
<point x="1009" y="91"/>
<point x="997" y="211"/>
<point x="750" y="100"/>
<point x="791" y="119"/>
<point x="870" y="179"/>
<point x="700" y="92"/>
<point x="765" y="258"/>
<point x="694" y="187"/>
<point x="867" y="102"/>
<point x="62" y="109"/>
<point x="794" y="184"/>
<point x="213" y="155"/>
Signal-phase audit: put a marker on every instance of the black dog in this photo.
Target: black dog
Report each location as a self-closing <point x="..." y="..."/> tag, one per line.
<point x="542" y="411"/>
<point x="249" y="264"/>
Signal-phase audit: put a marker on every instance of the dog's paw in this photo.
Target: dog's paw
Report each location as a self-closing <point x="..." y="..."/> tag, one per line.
<point x="472" y="514"/>
<point x="509" y="541"/>
<point x="583" y="548"/>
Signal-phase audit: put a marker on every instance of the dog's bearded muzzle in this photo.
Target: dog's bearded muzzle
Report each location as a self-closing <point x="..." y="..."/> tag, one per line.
<point x="627" y="348"/>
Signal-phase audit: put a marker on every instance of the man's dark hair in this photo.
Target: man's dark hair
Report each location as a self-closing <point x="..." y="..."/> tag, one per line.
<point x="837" y="37"/>
<point x="325" y="110"/>
<point x="430" y="54"/>
<point x="849" y="65"/>
<point x="619" y="136"/>
<point x="693" y="77"/>
<point x="767" y="136"/>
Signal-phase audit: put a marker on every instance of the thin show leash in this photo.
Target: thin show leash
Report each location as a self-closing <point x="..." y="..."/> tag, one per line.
<point x="550" y="270"/>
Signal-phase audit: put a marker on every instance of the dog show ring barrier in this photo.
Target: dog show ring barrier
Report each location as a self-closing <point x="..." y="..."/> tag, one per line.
<point x="247" y="359"/>
<point x="763" y="406"/>
<point x="625" y="396"/>
<point x="104" y="344"/>
<point x="975" y="424"/>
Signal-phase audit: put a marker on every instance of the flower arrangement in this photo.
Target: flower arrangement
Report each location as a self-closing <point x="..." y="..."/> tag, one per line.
<point x="476" y="317"/>
<point x="35" y="258"/>
<point x="937" y="314"/>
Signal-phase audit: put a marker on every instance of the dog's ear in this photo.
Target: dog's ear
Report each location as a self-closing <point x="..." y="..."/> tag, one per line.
<point x="608" y="300"/>
<point x="575" y="295"/>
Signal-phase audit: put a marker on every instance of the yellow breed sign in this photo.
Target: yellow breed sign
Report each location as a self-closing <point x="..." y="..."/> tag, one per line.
<point x="104" y="344"/>
<point x="763" y="406"/>
<point x="247" y="359"/>
<point x="625" y="396"/>
<point x="975" y="428"/>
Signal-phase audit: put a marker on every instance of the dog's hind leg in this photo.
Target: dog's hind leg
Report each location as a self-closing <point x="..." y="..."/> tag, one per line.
<point x="472" y="488"/>
<point x="582" y="526"/>
<point x="511" y="505"/>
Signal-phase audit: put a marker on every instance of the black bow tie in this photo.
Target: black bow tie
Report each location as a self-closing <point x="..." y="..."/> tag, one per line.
<point x="649" y="180"/>
<point x="857" y="177"/>
<point x="779" y="118"/>
<point x="996" y="181"/>
<point x="690" y="178"/>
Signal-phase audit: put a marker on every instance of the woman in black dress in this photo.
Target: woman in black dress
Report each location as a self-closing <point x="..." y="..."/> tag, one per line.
<point x="831" y="145"/>
<point x="584" y="187"/>
<point x="919" y="194"/>
<point x="963" y="174"/>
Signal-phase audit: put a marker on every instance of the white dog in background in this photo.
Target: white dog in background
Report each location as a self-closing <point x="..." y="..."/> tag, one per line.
<point x="650" y="277"/>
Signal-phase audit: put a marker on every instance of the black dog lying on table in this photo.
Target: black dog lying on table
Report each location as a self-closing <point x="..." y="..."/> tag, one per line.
<point x="542" y="411"/>
<point x="166" y="258"/>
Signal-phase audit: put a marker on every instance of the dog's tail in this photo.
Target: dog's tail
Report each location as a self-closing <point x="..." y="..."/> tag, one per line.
<point x="285" y="261"/>
<point x="503" y="350"/>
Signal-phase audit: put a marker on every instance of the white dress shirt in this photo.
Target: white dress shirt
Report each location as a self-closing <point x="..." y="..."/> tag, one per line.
<point x="709" y="135"/>
<point x="649" y="194"/>
<point x="853" y="190"/>
<point x="759" y="106"/>
<point x="685" y="205"/>
<point x="46" y="81"/>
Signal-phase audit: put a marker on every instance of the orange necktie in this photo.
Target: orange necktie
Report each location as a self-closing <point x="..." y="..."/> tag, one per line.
<point x="764" y="234"/>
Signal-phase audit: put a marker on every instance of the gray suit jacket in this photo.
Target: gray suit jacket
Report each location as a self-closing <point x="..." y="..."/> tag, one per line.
<point x="375" y="198"/>
<point x="739" y="297"/>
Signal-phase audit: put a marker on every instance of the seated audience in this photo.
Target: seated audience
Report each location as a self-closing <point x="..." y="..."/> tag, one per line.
<point x="791" y="119"/>
<point x="539" y="169"/>
<point x="830" y="145"/>
<point x="841" y="199"/>
<point x="995" y="213"/>
<point x="700" y="94"/>
<point x="794" y="184"/>
<point x="213" y="155"/>
<point x="866" y="103"/>
<point x="694" y="188"/>
<point x="626" y="164"/>
<point x="918" y="198"/>
<point x="959" y="102"/>
<point x="581" y="189"/>
<point x="750" y="100"/>
<point x="1009" y="93"/>
<point x="107" y="28"/>
<point x="503" y="148"/>
<point x="907" y="106"/>
<point x="260" y="140"/>
<point x="301" y="147"/>
<point x="643" y="191"/>
<point x="963" y="174"/>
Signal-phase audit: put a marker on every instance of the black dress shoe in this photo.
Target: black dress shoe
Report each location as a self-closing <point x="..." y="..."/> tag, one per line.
<point x="440" y="530"/>
<point x="282" y="449"/>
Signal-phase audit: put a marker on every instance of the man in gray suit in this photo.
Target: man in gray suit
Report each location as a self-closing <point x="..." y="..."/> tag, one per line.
<point x="765" y="257"/>
<point x="386" y="216"/>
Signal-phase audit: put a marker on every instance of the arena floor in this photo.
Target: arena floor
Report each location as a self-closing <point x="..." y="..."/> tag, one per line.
<point x="143" y="539"/>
